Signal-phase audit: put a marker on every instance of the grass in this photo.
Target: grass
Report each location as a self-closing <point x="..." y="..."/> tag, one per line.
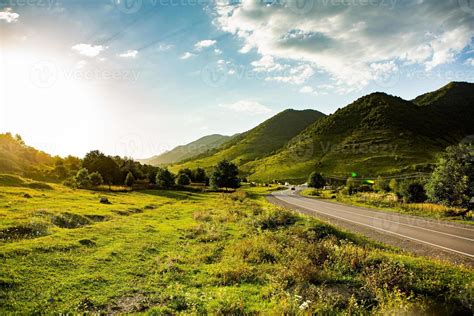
<point x="169" y="252"/>
<point x="388" y="202"/>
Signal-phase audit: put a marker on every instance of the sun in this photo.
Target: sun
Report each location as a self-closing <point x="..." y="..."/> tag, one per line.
<point x="45" y="95"/>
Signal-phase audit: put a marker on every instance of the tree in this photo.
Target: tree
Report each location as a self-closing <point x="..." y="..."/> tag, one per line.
<point x="165" y="179"/>
<point x="82" y="178"/>
<point x="393" y="185"/>
<point x="96" y="178"/>
<point x="316" y="181"/>
<point x="129" y="179"/>
<point x="225" y="175"/>
<point x="187" y="172"/>
<point x="95" y="161"/>
<point x="183" y="179"/>
<point x="352" y="185"/>
<point x="381" y="185"/>
<point x="200" y="176"/>
<point x="452" y="182"/>
<point x="412" y="192"/>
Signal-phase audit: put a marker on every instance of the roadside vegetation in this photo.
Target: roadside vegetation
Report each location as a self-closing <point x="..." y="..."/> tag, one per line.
<point x="446" y="194"/>
<point x="172" y="251"/>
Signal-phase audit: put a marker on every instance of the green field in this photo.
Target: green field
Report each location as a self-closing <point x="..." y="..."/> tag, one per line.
<point x="181" y="252"/>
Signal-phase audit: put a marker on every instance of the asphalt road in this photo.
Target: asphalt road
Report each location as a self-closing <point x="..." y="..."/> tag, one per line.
<point x="450" y="237"/>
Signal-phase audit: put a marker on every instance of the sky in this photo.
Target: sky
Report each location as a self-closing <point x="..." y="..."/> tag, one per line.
<point x="139" y="77"/>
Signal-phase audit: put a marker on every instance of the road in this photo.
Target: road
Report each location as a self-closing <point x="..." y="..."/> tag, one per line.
<point x="445" y="236"/>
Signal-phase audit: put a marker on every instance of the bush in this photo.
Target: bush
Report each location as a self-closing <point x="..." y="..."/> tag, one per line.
<point x="129" y="180"/>
<point x="82" y="179"/>
<point x="96" y="179"/>
<point x="276" y="219"/>
<point x="165" y="179"/>
<point x="316" y="181"/>
<point x="381" y="185"/>
<point x="183" y="179"/>
<point x="411" y="192"/>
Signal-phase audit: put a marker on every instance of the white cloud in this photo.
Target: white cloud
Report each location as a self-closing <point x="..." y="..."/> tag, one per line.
<point x="8" y="15"/>
<point x="204" y="44"/>
<point x="217" y="51"/>
<point x="295" y="75"/>
<point x="307" y="89"/>
<point x="470" y="61"/>
<point x="88" y="49"/>
<point x="129" y="54"/>
<point x="247" y="106"/>
<point x="187" y="55"/>
<point x="344" y="40"/>
<point x="267" y="63"/>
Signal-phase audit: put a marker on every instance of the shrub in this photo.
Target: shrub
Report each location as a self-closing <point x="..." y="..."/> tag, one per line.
<point x="82" y="179"/>
<point x="381" y="185"/>
<point x="316" y="181"/>
<point x="165" y="179"/>
<point x="275" y="219"/>
<point x="183" y="179"/>
<point x="129" y="180"/>
<point x="412" y="192"/>
<point x="96" y="179"/>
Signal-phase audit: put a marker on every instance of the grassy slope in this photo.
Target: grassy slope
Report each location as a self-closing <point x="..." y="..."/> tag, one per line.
<point x="187" y="151"/>
<point x="377" y="134"/>
<point x="187" y="252"/>
<point x="259" y="142"/>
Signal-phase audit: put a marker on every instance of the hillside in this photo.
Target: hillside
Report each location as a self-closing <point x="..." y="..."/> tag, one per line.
<point x="260" y="141"/>
<point x="180" y="153"/>
<point x="377" y="134"/>
<point x="18" y="158"/>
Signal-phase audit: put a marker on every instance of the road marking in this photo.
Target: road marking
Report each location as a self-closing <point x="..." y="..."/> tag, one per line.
<point x="399" y="223"/>
<point x="390" y="232"/>
<point x="375" y="212"/>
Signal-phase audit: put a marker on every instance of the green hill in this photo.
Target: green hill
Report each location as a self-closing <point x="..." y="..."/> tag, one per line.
<point x="259" y="142"/>
<point x="190" y="150"/>
<point x="377" y="134"/>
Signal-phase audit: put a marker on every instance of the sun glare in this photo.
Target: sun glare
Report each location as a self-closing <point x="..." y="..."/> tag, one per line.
<point x="48" y="94"/>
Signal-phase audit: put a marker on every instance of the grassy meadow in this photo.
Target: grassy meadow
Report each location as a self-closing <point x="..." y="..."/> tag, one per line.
<point x="169" y="252"/>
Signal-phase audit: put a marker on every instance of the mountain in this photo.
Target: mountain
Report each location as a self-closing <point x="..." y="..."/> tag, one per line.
<point x="377" y="134"/>
<point x="258" y="142"/>
<point x="190" y="150"/>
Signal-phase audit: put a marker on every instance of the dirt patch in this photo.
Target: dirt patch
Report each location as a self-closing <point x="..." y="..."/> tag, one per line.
<point x="28" y="231"/>
<point x="130" y="304"/>
<point x="87" y="243"/>
<point x="97" y="218"/>
<point x="128" y="212"/>
<point x="70" y="220"/>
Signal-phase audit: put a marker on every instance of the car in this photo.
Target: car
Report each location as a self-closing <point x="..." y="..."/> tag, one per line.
<point x="293" y="188"/>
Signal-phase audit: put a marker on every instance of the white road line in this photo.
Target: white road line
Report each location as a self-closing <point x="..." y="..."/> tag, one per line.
<point x="375" y="212"/>
<point x="390" y="232"/>
<point x="399" y="223"/>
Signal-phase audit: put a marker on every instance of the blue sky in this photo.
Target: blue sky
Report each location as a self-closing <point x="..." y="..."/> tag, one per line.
<point x="142" y="76"/>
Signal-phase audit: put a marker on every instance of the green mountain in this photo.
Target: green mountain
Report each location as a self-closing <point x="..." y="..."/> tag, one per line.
<point x="259" y="142"/>
<point x="180" y="153"/>
<point x="377" y="134"/>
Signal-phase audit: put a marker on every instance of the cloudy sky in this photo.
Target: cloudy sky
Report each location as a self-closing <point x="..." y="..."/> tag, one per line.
<point x="137" y="77"/>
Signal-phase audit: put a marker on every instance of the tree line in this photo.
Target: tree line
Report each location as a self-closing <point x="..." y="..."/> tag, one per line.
<point x="97" y="169"/>
<point x="451" y="183"/>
